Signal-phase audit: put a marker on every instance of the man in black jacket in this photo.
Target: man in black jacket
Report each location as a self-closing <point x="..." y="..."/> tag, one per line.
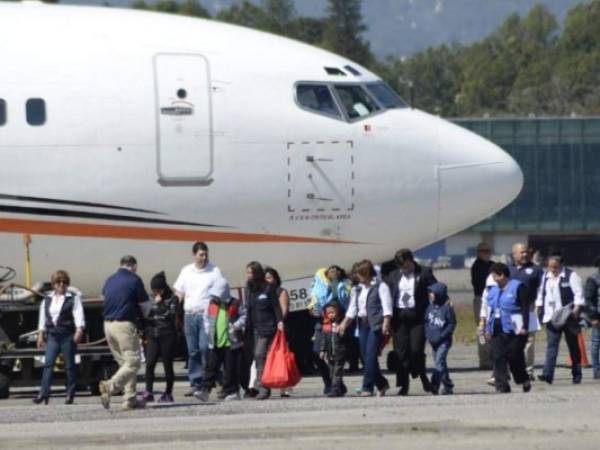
<point x="479" y="273"/>
<point x="408" y="285"/>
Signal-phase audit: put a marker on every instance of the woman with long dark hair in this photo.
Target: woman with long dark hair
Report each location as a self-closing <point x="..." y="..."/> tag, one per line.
<point x="272" y="277"/>
<point x="264" y="319"/>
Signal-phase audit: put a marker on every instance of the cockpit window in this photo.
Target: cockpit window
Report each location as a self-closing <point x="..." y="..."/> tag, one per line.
<point x="317" y="97"/>
<point x="385" y="95"/>
<point x="355" y="101"/>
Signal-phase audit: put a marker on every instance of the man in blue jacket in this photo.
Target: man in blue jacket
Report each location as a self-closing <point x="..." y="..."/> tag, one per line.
<point x="123" y="293"/>
<point x="506" y="327"/>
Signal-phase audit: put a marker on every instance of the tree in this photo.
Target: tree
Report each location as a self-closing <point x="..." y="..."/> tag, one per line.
<point x="343" y="29"/>
<point x="307" y="29"/>
<point x="194" y="9"/>
<point x="280" y="14"/>
<point x="533" y="88"/>
<point x="187" y="8"/>
<point x="246" y="14"/>
<point x="431" y="78"/>
<point x="578" y="68"/>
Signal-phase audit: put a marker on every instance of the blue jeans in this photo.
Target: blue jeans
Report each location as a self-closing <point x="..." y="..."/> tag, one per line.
<point x="370" y="342"/>
<point x="441" y="374"/>
<point x="553" y="341"/>
<point x="197" y="343"/>
<point x="56" y="344"/>
<point x="596" y="350"/>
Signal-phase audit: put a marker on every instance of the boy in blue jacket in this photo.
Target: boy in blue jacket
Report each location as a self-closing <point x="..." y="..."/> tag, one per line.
<point x="440" y="322"/>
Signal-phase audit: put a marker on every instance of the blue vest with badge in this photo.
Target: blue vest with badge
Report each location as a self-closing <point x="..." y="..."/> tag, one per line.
<point x="507" y="302"/>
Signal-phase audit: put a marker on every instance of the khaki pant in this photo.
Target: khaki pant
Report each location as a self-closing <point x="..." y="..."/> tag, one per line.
<point x="484" y="351"/>
<point x="124" y="343"/>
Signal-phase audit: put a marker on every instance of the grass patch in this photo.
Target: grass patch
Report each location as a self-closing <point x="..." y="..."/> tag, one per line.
<point x="466" y="328"/>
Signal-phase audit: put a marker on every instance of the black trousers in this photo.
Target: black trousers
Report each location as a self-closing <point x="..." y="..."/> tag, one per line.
<point x="231" y="360"/>
<point x="409" y="345"/>
<point x="245" y="361"/>
<point x="336" y="372"/>
<point x="163" y="347"/>
<point x="322" y="366"/>
<point x="508" y="351"/>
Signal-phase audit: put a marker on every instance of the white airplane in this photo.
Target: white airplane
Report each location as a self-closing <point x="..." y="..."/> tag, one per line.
<point x="131" y="132"/>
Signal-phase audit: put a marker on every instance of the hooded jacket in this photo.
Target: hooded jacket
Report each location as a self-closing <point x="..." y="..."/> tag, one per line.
<point x="440" y="319"/>
<point x="235" y="311"/>
<point x="161" y="318"/>
<point x="324" y="292"/>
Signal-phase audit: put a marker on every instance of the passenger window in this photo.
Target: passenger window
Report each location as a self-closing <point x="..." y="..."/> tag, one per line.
<point x="35" y="109"/>
<point x="385" y="95"/>
<point x="2" y="112"/>
<point x="356" y="101"/>
<point x="318" y="98"/>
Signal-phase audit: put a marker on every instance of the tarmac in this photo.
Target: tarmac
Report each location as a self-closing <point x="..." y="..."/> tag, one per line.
<point x="557" y="416"/>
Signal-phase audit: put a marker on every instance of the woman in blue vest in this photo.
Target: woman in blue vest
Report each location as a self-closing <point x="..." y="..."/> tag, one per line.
<point x="371" y="302"/>
<point x="506" y="327"/>
<point x="60" y="329"/>
<point x="561" y="287"/>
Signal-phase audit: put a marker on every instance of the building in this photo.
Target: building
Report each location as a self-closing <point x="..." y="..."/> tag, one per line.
<point x="559" y="205"/>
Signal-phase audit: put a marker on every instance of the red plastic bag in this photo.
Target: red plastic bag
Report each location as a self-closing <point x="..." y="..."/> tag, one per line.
<point x="280" y="367"/>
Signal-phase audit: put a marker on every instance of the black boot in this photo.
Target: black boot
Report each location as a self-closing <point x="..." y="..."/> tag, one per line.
<point x="41" y="399"/>
<point x="425" y="382"/>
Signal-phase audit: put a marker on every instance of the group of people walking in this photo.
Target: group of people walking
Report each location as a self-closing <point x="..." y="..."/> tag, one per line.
<point x="228" y="338"/>
<point x="513" y="302"/>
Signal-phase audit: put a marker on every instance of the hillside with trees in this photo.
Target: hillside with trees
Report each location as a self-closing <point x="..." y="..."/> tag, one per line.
<point x="530" y="65"/>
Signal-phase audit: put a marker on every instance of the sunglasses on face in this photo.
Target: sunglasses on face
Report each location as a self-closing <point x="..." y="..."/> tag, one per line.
<point x="61" y="282"/>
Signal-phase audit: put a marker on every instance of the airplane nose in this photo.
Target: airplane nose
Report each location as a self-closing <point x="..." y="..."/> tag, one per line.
<point x="477" y="178"/>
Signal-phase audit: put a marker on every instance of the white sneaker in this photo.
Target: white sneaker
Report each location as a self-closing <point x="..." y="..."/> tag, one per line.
<point x="234" y="396"/>
<point x="105" y="393"/>
<point x="491" y="382"/>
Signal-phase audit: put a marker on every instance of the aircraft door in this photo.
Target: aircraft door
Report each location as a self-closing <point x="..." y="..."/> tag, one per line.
<point x="184" y="119"/>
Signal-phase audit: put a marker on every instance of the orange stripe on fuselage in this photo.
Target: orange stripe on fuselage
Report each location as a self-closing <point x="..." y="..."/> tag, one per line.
<point x="145" y="233"/>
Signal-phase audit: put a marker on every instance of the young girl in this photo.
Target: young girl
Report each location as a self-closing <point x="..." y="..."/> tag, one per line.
<point x="161" y="335"/>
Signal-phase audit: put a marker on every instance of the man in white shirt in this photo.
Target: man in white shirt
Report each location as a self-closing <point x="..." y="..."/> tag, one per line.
<point x="192" y="287"/>
<point x="561" y="287"/>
